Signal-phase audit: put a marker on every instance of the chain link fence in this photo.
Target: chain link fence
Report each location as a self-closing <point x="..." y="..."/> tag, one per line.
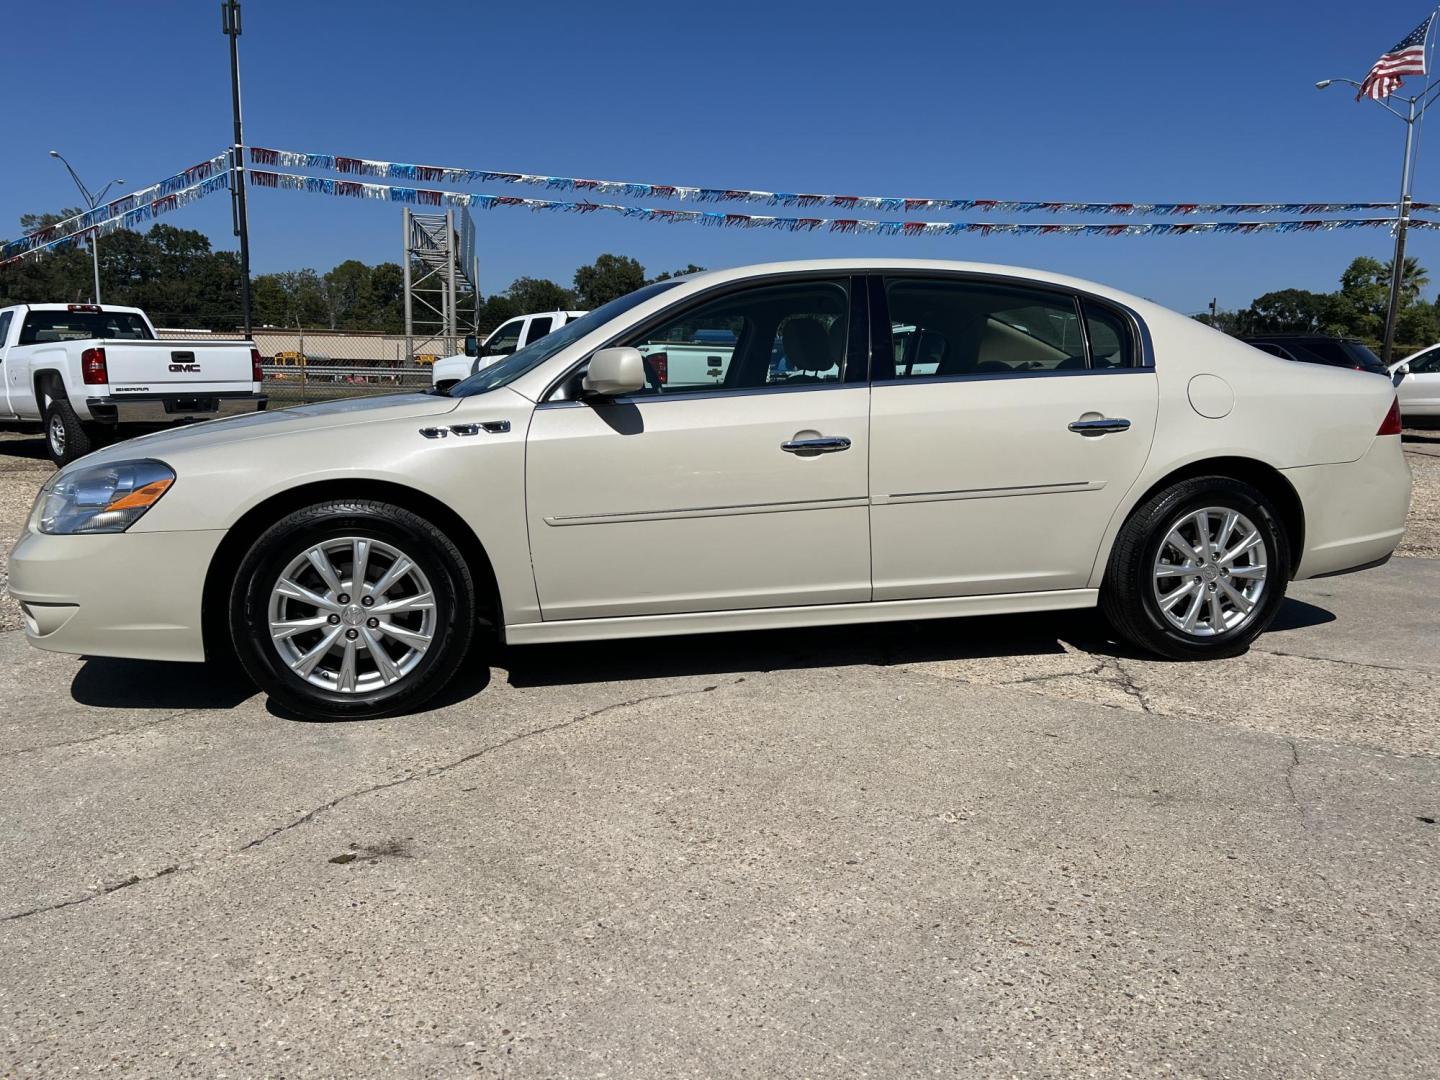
<point x="305" y="365"/>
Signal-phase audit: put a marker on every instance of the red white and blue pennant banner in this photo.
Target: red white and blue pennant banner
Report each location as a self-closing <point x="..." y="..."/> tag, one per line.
<point x="355" y="189"/>
<point x="127" y="211"/>
<point x="395" y="170"/>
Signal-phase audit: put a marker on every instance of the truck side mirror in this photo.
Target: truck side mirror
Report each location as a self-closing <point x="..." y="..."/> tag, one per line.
<point x="472" y="347"/>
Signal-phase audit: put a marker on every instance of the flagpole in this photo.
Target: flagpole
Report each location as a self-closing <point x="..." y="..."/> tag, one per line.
<point x="1397" y="263"/>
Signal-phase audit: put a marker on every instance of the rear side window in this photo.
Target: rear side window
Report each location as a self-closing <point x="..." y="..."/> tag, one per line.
<point x="949" y="327"/>
<point x="1112" y="341"/>
<point x="45" y="326"/>
<point x="538" y="329"/>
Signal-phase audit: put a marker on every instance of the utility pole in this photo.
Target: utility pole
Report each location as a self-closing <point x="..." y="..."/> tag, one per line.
<point x="1213" y="301"/>
<point x="230" y="25"/>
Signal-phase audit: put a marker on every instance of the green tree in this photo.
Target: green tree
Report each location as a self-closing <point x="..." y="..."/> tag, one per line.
<point x="1285" y="311"/>
<point x="608" y="278"/>
<point x="539" y="294"/>
<point x="668" y="274"/>
<point x="1413" y="278"/>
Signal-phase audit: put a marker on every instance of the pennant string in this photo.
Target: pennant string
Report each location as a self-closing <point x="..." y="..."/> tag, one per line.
<point x="394" y="170"/>
<point x="715" y="219"/>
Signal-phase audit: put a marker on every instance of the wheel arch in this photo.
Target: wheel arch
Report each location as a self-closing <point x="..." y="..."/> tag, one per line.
<point x="243" y="533"/>
<point x="48" y="377"/>
<point x="1268" y="479"/>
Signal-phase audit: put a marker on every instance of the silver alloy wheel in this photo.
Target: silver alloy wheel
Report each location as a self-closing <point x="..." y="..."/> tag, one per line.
<point x="57" y="435"/>
<point x="352" y="615"/>
<point x="1210" y="572"/>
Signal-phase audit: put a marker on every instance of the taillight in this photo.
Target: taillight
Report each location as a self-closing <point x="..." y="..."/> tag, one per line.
<point x="257" y="372"/>
<point x="660" y="364"/>
<point x="92" y="367"/>
<point x="1391" y="424"/>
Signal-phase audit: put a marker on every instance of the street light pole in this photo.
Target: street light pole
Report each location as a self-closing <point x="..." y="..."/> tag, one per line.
<point x="1414" y="108"/>
<point x="230" y="25"/>
<point x="91" y="201"/>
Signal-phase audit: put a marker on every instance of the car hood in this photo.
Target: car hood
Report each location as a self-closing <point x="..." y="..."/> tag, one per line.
<point x="348" y="412"/>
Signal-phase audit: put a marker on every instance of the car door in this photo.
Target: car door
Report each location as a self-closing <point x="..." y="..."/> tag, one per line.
<point x="1419" y="391"/>
<point x="749" y="492"/>
<point x="5" y="320"/>
<point x="1005" y="440"/>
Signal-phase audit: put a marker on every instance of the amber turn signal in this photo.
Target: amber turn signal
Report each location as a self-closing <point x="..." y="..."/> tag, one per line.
<point x="141" y="497"/>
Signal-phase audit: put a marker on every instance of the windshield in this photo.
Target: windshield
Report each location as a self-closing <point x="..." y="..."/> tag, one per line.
<point x="532" y="356"/>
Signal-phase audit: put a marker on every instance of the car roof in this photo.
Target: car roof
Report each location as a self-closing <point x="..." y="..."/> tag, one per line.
<point x="881" y="265"/>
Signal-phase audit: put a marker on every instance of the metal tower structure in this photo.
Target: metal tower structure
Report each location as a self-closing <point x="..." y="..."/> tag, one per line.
<point x="441" y="282"/>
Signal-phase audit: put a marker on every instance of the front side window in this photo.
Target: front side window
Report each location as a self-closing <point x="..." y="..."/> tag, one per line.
<point x="955" y="327"/>
<point x="5" y="327"/>
<point x="790" y="334"/>
<point x="1426" y="363"/>
<point x="505" y="340"/>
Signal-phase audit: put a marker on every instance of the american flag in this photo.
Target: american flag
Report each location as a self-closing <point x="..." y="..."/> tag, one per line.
<point x="1405" y="58"/>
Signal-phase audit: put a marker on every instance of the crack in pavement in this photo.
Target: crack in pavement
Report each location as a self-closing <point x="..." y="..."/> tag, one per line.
<point x="103" y="735"/>
<point x="438" y="770"/>
<point x="1290" y="767"/>
<point x="104" y="890"/>
<point x="1347" y="663"/>
<point x="426" y="774"/>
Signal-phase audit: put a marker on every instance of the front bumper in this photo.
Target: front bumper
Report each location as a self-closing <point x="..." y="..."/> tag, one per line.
<point x="134" y="595"/>
<point x="172" y="408"/>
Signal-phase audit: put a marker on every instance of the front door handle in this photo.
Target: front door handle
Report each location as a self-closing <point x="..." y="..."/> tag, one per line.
<point x="824" y="444"/>
<point x="1101" y="426"/>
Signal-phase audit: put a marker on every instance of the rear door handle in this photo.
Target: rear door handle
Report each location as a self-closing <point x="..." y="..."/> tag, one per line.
<point x="1103" y="426"/>
<point x="825" y="444"/>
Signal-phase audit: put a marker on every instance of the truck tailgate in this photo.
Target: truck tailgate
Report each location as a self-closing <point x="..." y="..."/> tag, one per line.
<point x="188" y="367"/>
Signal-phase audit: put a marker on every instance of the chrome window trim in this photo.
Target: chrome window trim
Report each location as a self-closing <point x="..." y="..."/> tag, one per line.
<point x="692" y="395"/>
<point x="1145" y="356"/>
<point x="990" y="376"/>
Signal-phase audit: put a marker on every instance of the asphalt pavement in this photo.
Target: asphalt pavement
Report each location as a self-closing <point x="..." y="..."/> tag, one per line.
<point x="991" y="847"/>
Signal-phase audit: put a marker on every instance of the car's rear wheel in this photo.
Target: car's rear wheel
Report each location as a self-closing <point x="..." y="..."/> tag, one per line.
<point x="352" y="609"/>
<point x="1198" y="571"/>
<point x="66" y="438"/>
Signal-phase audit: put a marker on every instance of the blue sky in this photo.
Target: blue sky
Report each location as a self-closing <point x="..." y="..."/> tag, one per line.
<point x="1098" y="101"/>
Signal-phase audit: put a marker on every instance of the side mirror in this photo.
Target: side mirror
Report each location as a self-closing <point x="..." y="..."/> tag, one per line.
<point x="1399" y="374"/>
<point x="472" y="347"/>
<point x="613" y="372"/>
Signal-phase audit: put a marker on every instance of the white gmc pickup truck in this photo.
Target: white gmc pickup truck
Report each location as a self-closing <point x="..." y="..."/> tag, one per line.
<point x="85" y="370"/>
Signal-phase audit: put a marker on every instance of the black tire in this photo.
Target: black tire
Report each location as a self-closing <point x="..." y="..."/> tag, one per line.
<point x="450" y="582"/>
<point x="1128" y="600"/>
<point x="66" y="438"/>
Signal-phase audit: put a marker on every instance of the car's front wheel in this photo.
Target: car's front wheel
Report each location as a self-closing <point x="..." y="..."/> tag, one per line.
<point x="1198" y="571"/>
<point x="352" y="609"/>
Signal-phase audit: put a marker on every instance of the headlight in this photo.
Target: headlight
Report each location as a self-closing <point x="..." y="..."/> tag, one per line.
<point x="100" y="498"/>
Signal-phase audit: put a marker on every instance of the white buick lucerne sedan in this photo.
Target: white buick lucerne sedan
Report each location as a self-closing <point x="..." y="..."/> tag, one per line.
<point x="773" y="446"/>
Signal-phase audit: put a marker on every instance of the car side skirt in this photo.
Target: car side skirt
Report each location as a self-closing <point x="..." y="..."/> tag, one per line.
<point x="714" y="622"/>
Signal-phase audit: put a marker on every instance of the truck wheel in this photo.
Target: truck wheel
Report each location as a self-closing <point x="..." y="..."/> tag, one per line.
<point x="352" y="609"/>
<point x="65" y="437"/>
